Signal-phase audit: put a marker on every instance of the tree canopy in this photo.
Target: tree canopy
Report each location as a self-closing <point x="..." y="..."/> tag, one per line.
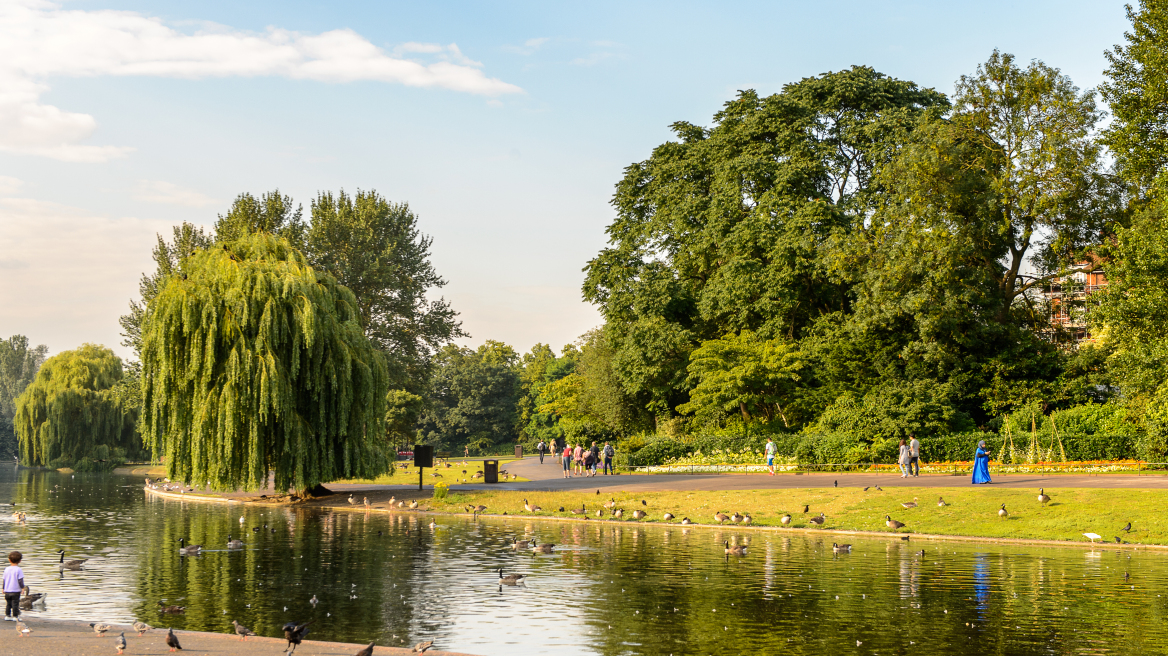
<point x="253" y="361"/>
<point x="19" y="363"/>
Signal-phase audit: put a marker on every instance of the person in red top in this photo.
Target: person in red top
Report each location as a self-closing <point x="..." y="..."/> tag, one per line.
<point x="567" y="461"/>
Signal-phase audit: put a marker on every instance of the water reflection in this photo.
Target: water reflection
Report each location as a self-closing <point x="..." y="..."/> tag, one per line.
<point x="607" y="589"/>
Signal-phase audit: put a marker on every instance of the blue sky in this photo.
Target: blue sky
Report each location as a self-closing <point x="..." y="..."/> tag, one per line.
<point x="504" y="125"/>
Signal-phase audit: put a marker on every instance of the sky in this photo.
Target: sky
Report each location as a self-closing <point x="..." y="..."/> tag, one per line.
<point x="504" y="125"/>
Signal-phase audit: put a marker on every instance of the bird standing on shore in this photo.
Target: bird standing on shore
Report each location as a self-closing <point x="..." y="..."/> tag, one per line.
<point x="785" y="520"/>
<point x="818" y="521"/>
<point x="368" y="651"/>
<point x="141" y="628"/>
<point x="294" y="633"/>
<point x="242" y="631"/>
<point x="120" y="643"/>
<point x="423" y="646"/>
<point x="892" y="523"/>
<point x="22" y="629"/>
<point x="352" y="501"/>
<point x="172" y="640"/>
<point x="721" y="518"/>
<point x="686" y="521"/>
<point x="99" y="629"/>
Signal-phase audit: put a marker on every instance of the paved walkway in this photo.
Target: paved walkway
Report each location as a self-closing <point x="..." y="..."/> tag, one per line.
<point x="71" y="638"/>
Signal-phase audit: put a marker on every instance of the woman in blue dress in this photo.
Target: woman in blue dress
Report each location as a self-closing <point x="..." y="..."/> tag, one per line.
<point x="981" y="464"/>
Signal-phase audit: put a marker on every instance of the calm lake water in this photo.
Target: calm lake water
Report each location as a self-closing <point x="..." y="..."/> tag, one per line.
<point x="607" y="589"/>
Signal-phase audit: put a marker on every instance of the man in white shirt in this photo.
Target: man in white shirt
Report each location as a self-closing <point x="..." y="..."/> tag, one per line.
<point x="914" y="456"/>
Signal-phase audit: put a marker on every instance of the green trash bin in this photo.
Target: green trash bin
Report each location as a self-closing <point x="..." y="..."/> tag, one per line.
<point x="491" y="471"/>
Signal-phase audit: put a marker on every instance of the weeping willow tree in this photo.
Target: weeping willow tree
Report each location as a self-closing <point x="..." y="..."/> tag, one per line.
<point x="255" y="362"/>
<point x="73" y="414"/>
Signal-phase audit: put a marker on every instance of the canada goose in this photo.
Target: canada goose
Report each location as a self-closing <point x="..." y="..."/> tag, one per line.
<point x="234" y="544"/>
<point x="543" y="548"/>
<point x="919" y="553"/>
<point x="618" y="512"/>
<point x="721" y="518"/>
<point x="434" y="524"/>
<point x="818" y="521"/>
<point x="475" y="509"/>
<point x="521" y="544"/>
<point x="163" y="608"/>
<point x="99" y="629"/>
<point x="910" y="504"/>
<point x="141" y="628"/>
<point x="599" y="513"/>
<point x="1002" y="511"/>
<point x="1126" y="528"/>
<point x="737" y="550"/>
<point x="242" y="631"/>
<point x="423" y="646"/>
<point x="70" y="564"/>
<point x="941" y="502"/>
<point x="352" y="502"/>
<point x="511" y="579"/>
<point x="581" y="511"/>
<point x="892" y="523"/>
<point x="120" y="643"/>
<point x="746" y="520"/>
<point x="368" y="651"/>
<point x="188" y="549"/>
<point x="640" y="514"/>
<point x="736" y="517"/>
<point x="611" y="503"/>
<point x="841" y="548"/>
<point x="401" y="504"/>
<point x="785" y="520"/>
<point x="530" y="508"/>
<point x="667" y="516"/>
<point x="685" y="521"/>
<point x="294" y="633"/>
<point x="1043" y="498"/>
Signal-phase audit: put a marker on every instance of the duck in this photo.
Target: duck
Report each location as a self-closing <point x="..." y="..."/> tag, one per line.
<point x="433" y="524"/>
<point x="163" y="608"/>
<point x="547" y="547"/>
<point x="1002" y="511"/>
<point x="818" y="521"/>
<point x="530" y="508"/>
<point x="910" y="504"/>
<point x="841" y="548"/>
<point x="737" y="550"/>
<point x="421" y="647"/>
<point x="141" y="628"/>
<point x="640" y="514"/>
<point x="242" y="631"/>
<point x="685" y="521"/>
<point x="785" y="520"/>
<point x="892" y="523"/>
<point x="1043" y="498"/>
<point x="721" y="518"/>
<point x="667" y="516"/>
<point x="99" y="628"/>
<point x="234" y="544"/>
<point x="511" y="579"/>
<point x="941" y="502"/>
<point x="71" y="564"/>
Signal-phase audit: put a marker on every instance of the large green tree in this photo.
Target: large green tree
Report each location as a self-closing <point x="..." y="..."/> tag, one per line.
<point x="72" y="414"/>
<point x="19" y="363"/>
<point x="473" y="398"/>
<point x="255" y="362"/>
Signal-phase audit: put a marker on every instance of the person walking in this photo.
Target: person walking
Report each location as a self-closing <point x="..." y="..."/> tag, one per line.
<point x="770" y="456"/>
<point x="609" y="454"/>
<point x="595" y="458"/>
<point x="914" y="456"/>
<point x="578" y="458"/>
<point x="13" y="586"/>
<point x="540" y="447"/>
<point x="902" y="458"/>
<point x="981" y="464"/>
<point x="566" y="458"/>
<point x="589" y="463"/>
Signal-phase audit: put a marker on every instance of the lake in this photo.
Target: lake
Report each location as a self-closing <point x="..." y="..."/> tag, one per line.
<point x="608" y="588"/>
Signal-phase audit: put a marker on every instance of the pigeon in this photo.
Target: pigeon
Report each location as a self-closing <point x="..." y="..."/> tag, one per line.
<point x="242" y="631"/>
<point x="836" y="483"/>
<point x="141" y="628"/>
<point x="294" y="633"/>
<point x="1127" y="527"/>
<point x="99" y="629"/>
<point x="368" y="651"/>
<point x="172" y="640"/>
<point x="120" y="643"/>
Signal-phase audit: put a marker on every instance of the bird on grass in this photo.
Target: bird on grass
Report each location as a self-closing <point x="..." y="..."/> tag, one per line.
<point x="746" y="520"/>
<point x="423" y="646"/>
<point x="818" y="521"/>
<point x="511" y="579"/>
<point x="172" y="640"/>
<point x="640" y="514"/>
<point x="686" y="521"/>
<point x="242" y="631"/>
<point x="1126" y="528"/>
<point x="530" y="508"/>
<point x="841" y="548"/>
<point x="892" y="523"/>
<point x="1117" y="540"/>
<point x="413" y="505"/>
<point x="737" y="517"/>
<point x="611" y="503"/>
<point x="1043" y="498"/>
<point x="581" y="511"/>
<point x="120" y="643"/>
<point x="294" y="633"/>
<point x="736" y="550"/>
<point x="806" y="509"/>
<point x="667" y="516"/>
<point x="618" y="512"/>
<point x="72" y="563"/>
<point x="910" y="504"/>
<point x="785" y="520"/>
<point x="721" y="518"/>
<point x="941" y="502"/>
<point x="1002" y="512"/>
<point x="99" y="629"/>
<point x="141" y="628"/>
<point x="368" y="651"/>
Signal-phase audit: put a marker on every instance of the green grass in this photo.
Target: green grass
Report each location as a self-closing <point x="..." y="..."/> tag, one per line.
<point x="969" y="511"/>
<point x="451" y="475"/>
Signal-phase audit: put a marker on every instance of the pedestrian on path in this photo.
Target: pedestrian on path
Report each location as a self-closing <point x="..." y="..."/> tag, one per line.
<point x="578" y="458"/>
<point x="595" y="458"/>
<point x="13" y="586"/>
<point x="981" y="464"/>
<point x="770" y="456"/>
<point x="566" y="458"/>
<point x="589" y="463"/>
<point x="914" y="456"/>
<point x="609" y="454"/>
<point x="902" y="459"/>
<point x="540" y="447"/>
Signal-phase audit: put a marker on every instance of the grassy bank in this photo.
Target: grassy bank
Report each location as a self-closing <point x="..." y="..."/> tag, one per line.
<point x="458" y="471"/>
<point x="968" y="511"/>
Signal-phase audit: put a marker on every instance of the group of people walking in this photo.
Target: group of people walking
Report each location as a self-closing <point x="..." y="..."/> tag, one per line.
<point x="580" y="460"/>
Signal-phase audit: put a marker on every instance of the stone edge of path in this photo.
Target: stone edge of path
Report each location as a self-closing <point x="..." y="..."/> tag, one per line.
<point x="770" y="529"/>
<point x="82" y="626"/>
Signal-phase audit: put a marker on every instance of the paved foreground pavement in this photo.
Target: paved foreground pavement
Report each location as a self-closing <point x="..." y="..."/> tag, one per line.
<point x="70" y="638"/>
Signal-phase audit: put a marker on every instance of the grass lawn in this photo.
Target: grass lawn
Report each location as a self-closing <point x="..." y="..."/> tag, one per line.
<point x="452" y="475"/>
<point x="968" y="511"/>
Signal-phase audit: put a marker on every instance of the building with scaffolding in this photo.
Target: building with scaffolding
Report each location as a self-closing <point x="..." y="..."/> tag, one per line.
<point x="1066" y="301"/>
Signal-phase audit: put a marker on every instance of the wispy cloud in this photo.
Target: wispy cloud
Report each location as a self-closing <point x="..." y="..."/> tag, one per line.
<point x="529" y="46"/>
<point x="609" y="51"/>
<point x="9" y="185"/>
<point x="40" y="40"/>
<point x="156" y="191"/>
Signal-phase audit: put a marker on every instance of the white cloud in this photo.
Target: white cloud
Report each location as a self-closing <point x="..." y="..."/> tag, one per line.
<point x="9" y="185"/>
<point x="529" y="46"/>
<point x="39" y="40"/>
<point x="156" y="191"/>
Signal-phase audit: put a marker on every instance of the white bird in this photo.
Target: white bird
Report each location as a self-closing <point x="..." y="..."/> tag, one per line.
<point x="241" y="519"/>
<point x="1093" y="536"/>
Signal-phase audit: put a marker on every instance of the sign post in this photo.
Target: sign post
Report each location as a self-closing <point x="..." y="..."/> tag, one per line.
<point x="423" y="457"/>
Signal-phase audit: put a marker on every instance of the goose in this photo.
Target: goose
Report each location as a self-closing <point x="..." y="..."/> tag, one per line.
<point x="422" y="646"/>
<point x="746" y="520"/>
<point x="667" y="516"/>
<point x="1002" y="511"/>
<point x="234" y="544"/>
<point x="892" y="523"/>
<point x="352" y="502"/>
<point x="433" y="524"/>
<point x="785" y="520"/>
<point x="368" y="651"/>
<point x="401" y="504"/>
<point x="1043" y="498"/>
<point x="543" y="548"/>
<point x="242" y="631"/>
<point x="163" y="608"/>
<point x="120" y="643"/>
<point x="22" y="629"/>
<point x="941" y="502"/>
<point x="618" y="512"/>
<point x="737" y="550"/>
<point x="736" y="518"/>
<point x="141" y="628"/>
<point x="71" y="564"/>
<point x="521" y="544"/>
<point x="413" y="505"/>
<point x="910" y="504"/>
<point x="640" y="514"/>
<point x="511" y="579"/>
<point x="581" y="511"/>
<point x="530" y="508"/>
<point x="294" y="633"/>
<point x="685" y="521"/>
<point x="99" y="628"/>
<point x="919" y="553"/>
<point x="841" y="548"/>
<point x="721" y="518"/>
<point x="475" y="509"/>
<point x="818" y="521"/>
<point x="611" y="503"/>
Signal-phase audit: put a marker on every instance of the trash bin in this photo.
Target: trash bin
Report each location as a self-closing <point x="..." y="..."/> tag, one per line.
<point x="518" y="451"/>
<point x="491" y="471"/>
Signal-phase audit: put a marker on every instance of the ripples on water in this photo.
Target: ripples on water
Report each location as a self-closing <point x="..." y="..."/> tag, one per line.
<point x="608" y="588"/>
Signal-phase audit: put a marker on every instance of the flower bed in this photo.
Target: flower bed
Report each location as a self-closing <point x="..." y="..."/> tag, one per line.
<point x="701" y="465"/>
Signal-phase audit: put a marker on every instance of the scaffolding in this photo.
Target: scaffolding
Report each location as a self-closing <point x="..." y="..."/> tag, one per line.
<point x="1066" y="301"/>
